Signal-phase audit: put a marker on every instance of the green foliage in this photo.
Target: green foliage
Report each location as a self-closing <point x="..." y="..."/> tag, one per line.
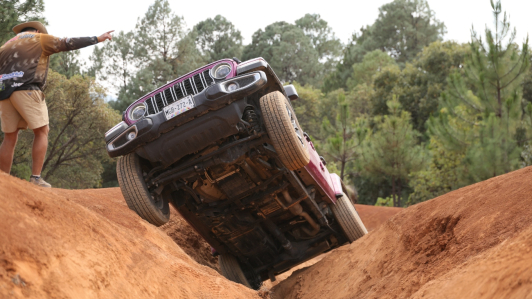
<point x="14" y="12"/>
<point x="78" y="119"/>
<point x="288" y="50"/>
<point x="402" y="29"/>
<point x="391" y="152"/>
<point x="373" y="63"/>
<point x="323" y="39"/>
<point x="307" y="108"/>
<point x="419" y="85"/>
<point x="157" y="51"/>
<point x="482" y="113"/>
<point x="445" y="172"/>
<point x="217" y="39"/>
<point x="384" y="202"/>
<point x="66" y="63"/>
<point x="345" y="137"/>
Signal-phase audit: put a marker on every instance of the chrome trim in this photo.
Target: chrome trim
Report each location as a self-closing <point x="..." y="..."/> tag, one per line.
<point x="163" y="96"/>
<point x="174" y="96"/>
<point x="217" y="66"/>
<point x="154" y="103"/>
<point x="183" y="89"/>
<point x="134" y="107"/>
<point x="203" y="81"/>
<point x="193" y="84"/>
<point x="235" y="80"/>
<point x="116" y="127"/>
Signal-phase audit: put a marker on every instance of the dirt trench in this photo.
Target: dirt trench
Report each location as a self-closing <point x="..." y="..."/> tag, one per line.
<point x="474" y="242"/>
<point x="471" y="243"/>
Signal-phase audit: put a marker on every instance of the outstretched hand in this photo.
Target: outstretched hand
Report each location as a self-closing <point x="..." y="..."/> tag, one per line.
<point x="105" y="36"/>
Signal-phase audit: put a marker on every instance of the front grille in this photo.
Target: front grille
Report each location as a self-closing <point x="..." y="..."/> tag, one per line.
<point x="207" y="76"/>
<point x="190" y="86"/>
<point x="198" y="82"/>
<point x="159" y="101"/>
<point x="151" y="109"/>
<point x="178" y="92"/>
<point x="169" y="96"/>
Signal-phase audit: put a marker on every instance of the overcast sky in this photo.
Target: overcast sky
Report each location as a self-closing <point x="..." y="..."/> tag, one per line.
<point x="84" y="18"/>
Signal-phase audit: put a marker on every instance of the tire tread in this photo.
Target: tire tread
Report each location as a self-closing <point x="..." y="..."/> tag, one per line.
<point x="285" y="141"/>
<point x="135" y="191"/>
<point x="348" y="218"/>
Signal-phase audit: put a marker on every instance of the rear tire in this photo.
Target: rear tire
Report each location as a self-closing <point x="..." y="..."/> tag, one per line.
<point x="232" y="270"/>
<point x="345" y="213"/>
<point x="284" y="130"/>
<point x="129" y="169"/>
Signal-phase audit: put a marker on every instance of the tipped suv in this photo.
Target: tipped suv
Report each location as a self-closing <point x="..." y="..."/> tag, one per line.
<point x="222" y="144"/>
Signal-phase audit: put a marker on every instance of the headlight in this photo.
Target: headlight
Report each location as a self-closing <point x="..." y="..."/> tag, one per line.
<point x="137" y="112"/>
<point x="221" y="71"/>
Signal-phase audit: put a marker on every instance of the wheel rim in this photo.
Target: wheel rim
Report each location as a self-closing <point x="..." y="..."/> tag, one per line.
<point x="295" y="125"/>
<point x="157" y="200"/>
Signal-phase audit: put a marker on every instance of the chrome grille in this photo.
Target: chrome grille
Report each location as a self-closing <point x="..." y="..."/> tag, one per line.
<point x="190" y="86"/>
<point x="198" y="83"/>
<point x="159" y="101"/>
<point x="178" y="92"/>
<point x="169" y="96"/>
<point x="149" y="104"/>
<point x="207" y="76"/>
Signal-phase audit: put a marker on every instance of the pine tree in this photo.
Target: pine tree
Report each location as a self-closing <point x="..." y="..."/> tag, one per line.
<point x="482" y="113"/>
<point x="13" y="12"/>
<point x="391" y="152"/>
<point x="344" y="137"/>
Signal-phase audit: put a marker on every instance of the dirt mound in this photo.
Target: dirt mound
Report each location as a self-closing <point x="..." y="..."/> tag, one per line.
<point x="88" y="244"/>
<point x="372" y="217"/>
<point x="471" y="243"/>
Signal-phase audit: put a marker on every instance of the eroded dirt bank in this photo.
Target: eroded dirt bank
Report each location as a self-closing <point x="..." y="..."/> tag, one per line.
<point x="88" y="244"/>
<point x="474" y="242"/>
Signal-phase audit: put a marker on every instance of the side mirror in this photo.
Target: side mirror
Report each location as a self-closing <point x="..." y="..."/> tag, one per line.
<point x="291" y="92"/>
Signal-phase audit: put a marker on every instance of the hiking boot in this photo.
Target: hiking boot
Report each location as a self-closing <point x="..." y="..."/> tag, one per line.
<point x="37" y="180"/>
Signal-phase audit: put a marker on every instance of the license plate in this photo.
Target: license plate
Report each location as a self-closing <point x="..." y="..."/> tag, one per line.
<point x="179" y="107"/>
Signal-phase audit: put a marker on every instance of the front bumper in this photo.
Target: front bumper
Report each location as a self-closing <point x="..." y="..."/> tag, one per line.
<point x="216" y="115"/>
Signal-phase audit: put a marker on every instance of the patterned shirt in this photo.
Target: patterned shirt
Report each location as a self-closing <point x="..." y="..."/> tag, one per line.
<point x="24" y="59"/>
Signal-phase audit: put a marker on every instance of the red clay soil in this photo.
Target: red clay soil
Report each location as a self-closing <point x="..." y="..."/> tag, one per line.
<point x="474" y="242"/>
<point x="372" y="217"/>
<point x="88" y="244"/>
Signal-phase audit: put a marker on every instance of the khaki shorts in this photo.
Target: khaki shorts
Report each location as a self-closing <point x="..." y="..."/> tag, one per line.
<point x="24" y="109"/>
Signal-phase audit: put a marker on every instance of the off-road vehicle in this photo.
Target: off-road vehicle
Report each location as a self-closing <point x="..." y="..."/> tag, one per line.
<point x="222" y="144"/>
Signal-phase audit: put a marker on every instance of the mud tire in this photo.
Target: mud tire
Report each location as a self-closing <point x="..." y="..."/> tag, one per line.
<point x="232" y="270"/>
<point x="129" y="169"/>
<point x="278" y="117"/>
<point x="345" y="213"/>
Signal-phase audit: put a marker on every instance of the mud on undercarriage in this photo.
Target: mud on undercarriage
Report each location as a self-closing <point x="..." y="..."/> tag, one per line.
<point x="260" y="196"/>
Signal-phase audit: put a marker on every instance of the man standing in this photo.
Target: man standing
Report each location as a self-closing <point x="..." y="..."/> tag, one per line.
<point x="23" y="69"/>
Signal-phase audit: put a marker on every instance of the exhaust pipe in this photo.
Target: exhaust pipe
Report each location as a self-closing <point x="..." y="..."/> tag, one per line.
<point x="297" y="210"/>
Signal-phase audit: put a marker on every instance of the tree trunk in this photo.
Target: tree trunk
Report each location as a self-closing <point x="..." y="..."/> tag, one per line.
<point x="393" y="192"/>
<point x="399" y="193"/>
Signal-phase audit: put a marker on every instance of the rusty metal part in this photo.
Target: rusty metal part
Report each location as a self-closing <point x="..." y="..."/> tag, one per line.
<point x="297" y="210"/>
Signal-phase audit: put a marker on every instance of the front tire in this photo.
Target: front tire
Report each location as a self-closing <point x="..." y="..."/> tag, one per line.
<point x="345" y="213"/>
<point x="284" y="130"/>
<point x="232" y="270"/>
<point x="130" y="169"/>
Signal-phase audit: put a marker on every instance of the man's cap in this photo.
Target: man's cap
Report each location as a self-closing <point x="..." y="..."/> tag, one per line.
<point x="33" y="24"/>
